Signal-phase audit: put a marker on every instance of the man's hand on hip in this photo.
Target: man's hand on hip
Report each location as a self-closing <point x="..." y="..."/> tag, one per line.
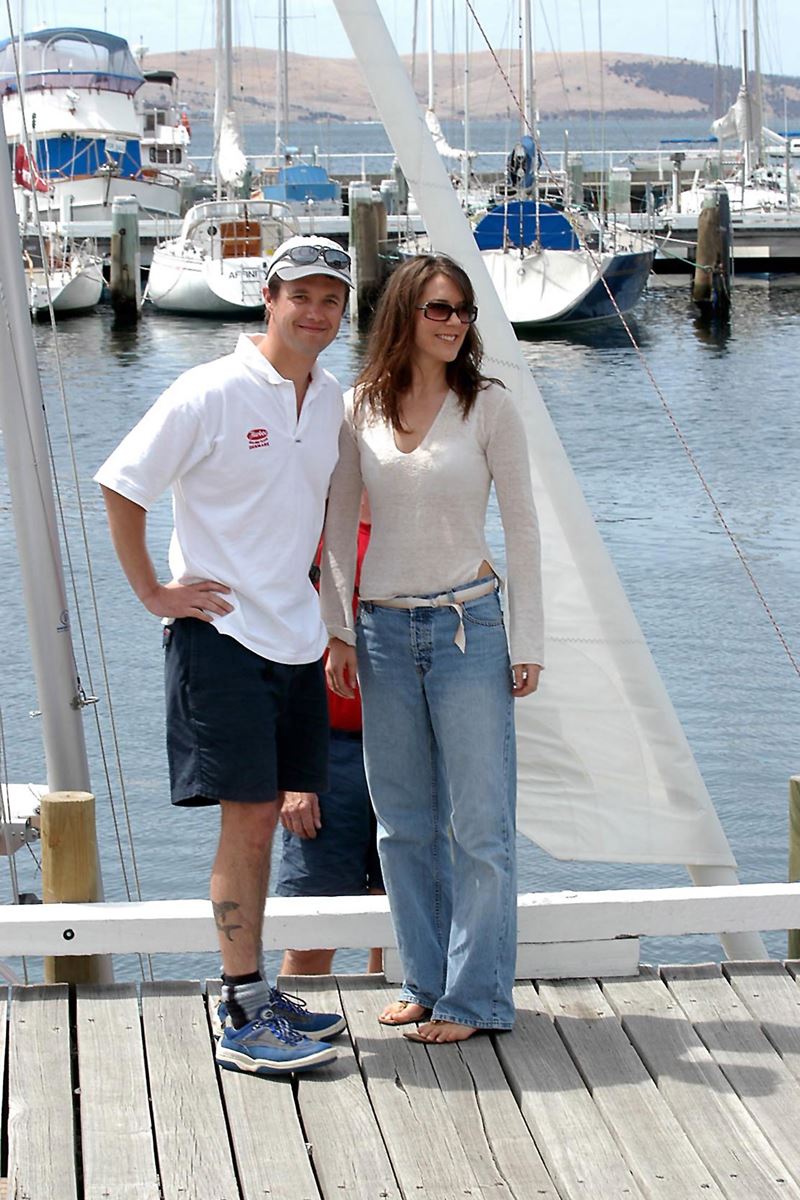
<point x="300" y="813"/>
<point x="203" y="600"/>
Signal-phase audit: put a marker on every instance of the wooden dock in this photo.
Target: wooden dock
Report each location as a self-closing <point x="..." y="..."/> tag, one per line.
<point x="667" y="1085"/>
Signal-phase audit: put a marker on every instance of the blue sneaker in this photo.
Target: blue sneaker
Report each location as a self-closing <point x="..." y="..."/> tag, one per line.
<point x="315" y="1026"/>
<point x="269" y="1046"/>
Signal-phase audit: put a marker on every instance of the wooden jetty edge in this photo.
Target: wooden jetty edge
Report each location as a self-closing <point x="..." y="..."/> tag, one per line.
<point x="670" y="1084"/>
<point x="617" y="1082"/>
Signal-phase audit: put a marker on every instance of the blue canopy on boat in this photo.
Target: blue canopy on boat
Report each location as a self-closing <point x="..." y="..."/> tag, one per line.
<point x="515" y="223"/>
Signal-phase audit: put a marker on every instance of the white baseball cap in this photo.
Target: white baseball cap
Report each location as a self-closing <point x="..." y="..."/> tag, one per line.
<point x="298" y="257"/>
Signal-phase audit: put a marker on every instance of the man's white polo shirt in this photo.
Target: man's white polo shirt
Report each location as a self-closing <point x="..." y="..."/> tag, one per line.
<point x="249" y="484"/>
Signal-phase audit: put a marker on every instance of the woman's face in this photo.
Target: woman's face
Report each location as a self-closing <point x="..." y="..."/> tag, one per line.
<point x="439" y="340"/>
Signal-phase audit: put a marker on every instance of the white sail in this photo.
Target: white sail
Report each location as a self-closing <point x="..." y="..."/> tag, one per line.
<point x="440" y="141"/>
<point x="231" y="160"/>
<point x="605" y="771"/>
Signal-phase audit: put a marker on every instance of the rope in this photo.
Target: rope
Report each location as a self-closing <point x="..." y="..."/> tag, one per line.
<point x="82" y="698"/>
<point x="662" y="398"/>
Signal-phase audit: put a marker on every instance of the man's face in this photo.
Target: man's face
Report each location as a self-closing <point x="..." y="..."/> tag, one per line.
<point x="305" y="315"/>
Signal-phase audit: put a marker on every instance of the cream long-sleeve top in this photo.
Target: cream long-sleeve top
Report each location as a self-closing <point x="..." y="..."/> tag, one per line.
<point x="429" y="514"/>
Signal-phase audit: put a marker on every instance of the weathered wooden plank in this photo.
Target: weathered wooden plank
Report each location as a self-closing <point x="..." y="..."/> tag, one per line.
<point x="271" y="1155"/>
<point x="116" y="1133"/>
<point x="772" y="995"/>
<point x="653" y="1143"/>
<point x="194" y="1154"/>
<point x="765" y="1085"/>
<point x="711" y="1114"/>
<point x="347" y="1148"/>
<point x="493" y="1130"/>
<point x="41" y="1138"/>
<point x="425" y="1147"/>
<point x="577" y="1147"/>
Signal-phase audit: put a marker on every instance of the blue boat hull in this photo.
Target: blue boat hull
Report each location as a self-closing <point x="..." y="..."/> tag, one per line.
<point x="626" y="277"/>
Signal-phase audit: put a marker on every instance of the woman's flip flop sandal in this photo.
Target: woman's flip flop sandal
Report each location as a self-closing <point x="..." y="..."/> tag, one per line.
<point x="401" y="1006"/>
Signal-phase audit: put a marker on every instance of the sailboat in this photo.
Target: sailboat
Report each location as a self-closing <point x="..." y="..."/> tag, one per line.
<point x="217" y="265"/>
<point x="70" y="281"/>
<point x="549" y="268"/>
<point x="765" y="211"/>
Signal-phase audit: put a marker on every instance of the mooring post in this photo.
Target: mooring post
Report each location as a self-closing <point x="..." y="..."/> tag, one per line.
<point x="367" y="230"/>
<point x="126" y="287"/>
<point x="711" y="284"/>
<point x="794" y="853"/>
<point x="70" y="875"/>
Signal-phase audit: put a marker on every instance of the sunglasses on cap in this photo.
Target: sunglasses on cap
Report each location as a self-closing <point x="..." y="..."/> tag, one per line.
<point x="440" y="310"/>
<point x="303" y="256"/>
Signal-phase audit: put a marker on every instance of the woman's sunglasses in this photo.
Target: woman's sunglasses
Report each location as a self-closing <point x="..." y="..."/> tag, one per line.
<point x="440" y="310"/>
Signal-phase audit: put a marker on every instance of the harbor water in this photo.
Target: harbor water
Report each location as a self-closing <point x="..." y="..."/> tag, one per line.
<point x="733" y="391"/>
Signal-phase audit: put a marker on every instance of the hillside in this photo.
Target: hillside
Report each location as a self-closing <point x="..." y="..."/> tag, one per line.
<point x="567" y="85"/>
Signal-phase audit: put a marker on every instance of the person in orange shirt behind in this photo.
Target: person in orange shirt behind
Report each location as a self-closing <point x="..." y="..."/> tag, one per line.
<point x="329" y="842"/>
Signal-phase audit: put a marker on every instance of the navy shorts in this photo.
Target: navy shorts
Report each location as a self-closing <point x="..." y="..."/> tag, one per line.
<point x="240" y="727"/>
<point x="342" y="860"/>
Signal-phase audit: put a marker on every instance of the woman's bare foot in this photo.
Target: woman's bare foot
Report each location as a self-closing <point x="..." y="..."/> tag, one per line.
<point x="403" y="1012"/>
<point x="440" y="1031"/>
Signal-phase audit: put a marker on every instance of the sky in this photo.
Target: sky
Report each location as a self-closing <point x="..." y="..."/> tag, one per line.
<point x="679" y="28"/>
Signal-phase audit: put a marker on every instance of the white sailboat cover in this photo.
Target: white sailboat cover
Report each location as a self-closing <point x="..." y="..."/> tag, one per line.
<point x="742" y="120"/>
<point x="440" y="141"/>
<point x="231" y="160"/>
<point x="605" y="771"/>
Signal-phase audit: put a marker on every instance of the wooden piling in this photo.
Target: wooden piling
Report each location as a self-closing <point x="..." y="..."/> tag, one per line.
<point x="367" y="234"/>
<point x="711" y="285"/>
<point x="126" y="288"/>
<point x="794" y="853"/>
<point x="70" y="875"/>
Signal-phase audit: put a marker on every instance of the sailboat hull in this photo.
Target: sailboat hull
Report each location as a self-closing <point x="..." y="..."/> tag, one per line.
<point x="557" y="287"/>
<point x="209" y="287"/>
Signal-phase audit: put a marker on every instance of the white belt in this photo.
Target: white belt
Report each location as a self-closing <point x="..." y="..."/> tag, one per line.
<point x="445" y="600"/>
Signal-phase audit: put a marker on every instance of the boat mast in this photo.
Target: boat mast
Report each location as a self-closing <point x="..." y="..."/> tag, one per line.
<point x="30" y="485"/>
<point x="759" y="138"/>
<point x="282" y="81"/>
<point x="529" y="101"/>
<point x="466" y="107"/>
<point x="747" y="163"/>
<point x="431" y="80"/>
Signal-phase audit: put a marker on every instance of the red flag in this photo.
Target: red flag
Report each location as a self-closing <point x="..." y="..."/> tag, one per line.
<point x="25" y="172"/>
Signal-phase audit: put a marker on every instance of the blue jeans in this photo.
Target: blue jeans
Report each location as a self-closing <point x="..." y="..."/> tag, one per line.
<point x="440" y="756"/>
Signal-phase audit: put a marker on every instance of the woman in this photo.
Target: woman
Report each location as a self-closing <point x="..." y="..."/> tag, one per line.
<point x="426" y="434"/>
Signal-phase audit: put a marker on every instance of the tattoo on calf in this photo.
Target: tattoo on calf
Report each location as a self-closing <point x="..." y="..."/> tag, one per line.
<point x="222" y="909"/>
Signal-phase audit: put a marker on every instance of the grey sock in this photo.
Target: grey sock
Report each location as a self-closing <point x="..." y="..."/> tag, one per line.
<point x="245" y="1000"/>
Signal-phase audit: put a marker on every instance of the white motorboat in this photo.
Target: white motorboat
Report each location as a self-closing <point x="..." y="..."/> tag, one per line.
<point x="217" y="266"/>
<point x="81" y="134"/>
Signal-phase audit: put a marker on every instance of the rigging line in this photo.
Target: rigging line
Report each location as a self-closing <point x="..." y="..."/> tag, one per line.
<point x="662" y="398"/>
<point x="87" y="553"/>
<point x="556" y="56"/>
<point x="5" y="796"/>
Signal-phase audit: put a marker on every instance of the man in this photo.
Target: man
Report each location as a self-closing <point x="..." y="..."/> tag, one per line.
<point x="247" y="444"/>
<point x="329" y="841"/>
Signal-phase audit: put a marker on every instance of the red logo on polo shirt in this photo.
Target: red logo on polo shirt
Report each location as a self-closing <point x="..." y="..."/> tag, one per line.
<point x="258" y="437"/>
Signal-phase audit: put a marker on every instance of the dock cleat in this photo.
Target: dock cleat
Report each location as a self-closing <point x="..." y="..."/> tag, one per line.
<point x="269" y="1046"/>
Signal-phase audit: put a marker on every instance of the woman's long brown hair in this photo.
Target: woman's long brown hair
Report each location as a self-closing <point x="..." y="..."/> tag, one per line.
<point x="386" y="374"/>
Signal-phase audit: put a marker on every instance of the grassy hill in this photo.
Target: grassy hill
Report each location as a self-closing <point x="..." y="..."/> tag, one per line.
<point x="567" y="85"/>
